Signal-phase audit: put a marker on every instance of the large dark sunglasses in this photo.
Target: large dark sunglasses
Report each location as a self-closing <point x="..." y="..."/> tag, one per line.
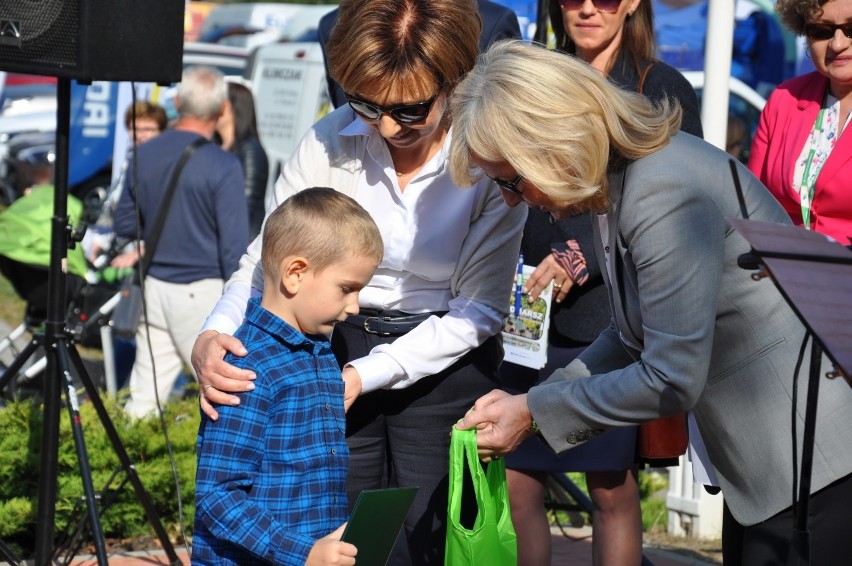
<point x="511" y="186"/>
<point x="821" y="32"/>
<point x="403" y="113"/>
<point x="608" y="6"/>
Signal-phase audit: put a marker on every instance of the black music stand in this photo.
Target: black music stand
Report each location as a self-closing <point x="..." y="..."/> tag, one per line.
<point x="815" y="277"/>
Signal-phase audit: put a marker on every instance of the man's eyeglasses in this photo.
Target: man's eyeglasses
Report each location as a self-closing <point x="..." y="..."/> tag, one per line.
<point x="403" y="113"/>
<point x="821" y="32"/>
<point x="511" y="186"/>
<point x="607" y="6"/>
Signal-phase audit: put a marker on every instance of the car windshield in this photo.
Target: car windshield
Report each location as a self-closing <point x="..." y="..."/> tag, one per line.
<point x="12" y="93"/>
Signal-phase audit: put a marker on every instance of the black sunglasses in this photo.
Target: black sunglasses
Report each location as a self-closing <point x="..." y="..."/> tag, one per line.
<point x="403" y="113"/>
<point x="608" y="6"/>
<point x="821" y="32"/>
<point x="511" y="186"/>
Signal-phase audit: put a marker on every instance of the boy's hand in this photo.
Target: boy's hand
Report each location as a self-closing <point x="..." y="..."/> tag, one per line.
<point x="353" y="386"/>
<point x="331" y="550"/>
<point x="215" y="376"/>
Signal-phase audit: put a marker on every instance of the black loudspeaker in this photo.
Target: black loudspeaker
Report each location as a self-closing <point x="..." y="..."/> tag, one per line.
<point x="93" y="40"/>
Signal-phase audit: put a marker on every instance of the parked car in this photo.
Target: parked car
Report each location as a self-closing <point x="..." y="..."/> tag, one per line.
<point x="28" y="127"/>
<point x="27" y="106"/>
<point x="253" y="24"/>
<point x="229" y="59"/>
<point x="745" y="103"/>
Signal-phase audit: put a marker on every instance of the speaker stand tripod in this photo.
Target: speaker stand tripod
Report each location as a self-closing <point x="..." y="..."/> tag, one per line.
<point x="59" y="350"/>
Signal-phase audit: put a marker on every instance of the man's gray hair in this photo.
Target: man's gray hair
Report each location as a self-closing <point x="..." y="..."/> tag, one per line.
<point x="201" y="92"/>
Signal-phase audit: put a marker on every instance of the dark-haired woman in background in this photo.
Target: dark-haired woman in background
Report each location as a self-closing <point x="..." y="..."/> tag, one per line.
<point x="237" y="128"/>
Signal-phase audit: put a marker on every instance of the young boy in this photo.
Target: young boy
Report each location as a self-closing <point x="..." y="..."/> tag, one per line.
<point x="271" y="480"/>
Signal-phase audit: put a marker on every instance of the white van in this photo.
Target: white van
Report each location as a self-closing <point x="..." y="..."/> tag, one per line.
<point x="254" y="24"/>
<point x="290" y="93"/>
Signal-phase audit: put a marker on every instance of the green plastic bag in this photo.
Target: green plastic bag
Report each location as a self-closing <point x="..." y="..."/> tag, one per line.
<point x="491" y="541"/>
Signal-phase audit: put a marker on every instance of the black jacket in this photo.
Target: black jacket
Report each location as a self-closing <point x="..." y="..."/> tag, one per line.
<point x="256" y="170"/>
<point x="585" y="311"/>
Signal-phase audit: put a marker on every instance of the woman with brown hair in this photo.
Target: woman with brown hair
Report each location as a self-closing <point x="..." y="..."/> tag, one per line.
<point x="801" y="150"/>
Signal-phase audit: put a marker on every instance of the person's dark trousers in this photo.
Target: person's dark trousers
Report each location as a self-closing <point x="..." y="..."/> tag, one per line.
<point x="402" y="437"/>
<point x="768" y="543"/>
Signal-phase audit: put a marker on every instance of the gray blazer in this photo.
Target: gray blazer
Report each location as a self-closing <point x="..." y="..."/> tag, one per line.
<point x="708" y="337"/>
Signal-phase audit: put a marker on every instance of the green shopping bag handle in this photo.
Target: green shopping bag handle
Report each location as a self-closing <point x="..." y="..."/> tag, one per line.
<point x="463" y="451"/>
<point x="492" y="540"/>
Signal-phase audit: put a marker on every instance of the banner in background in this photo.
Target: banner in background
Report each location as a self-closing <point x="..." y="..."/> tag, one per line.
<point x="92" y="129"/>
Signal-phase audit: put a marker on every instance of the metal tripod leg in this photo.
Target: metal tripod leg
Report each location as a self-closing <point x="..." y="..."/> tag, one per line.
<point x="56" y="344"/>
<point x="9" y="556"/>
<point x="57" y="358"/>
<point x="12" y="371"/>
<point x="126" y="464"/>
<point x="60" y="352"/>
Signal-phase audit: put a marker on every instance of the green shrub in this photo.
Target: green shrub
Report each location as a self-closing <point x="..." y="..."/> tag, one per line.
<point x="20" y="444"/>
<point x="652" y="487"/>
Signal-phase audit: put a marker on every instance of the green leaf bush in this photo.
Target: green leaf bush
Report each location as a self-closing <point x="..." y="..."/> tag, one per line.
<point x="20" y="444"/>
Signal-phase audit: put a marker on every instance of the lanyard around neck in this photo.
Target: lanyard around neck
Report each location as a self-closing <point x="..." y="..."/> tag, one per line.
<point x="806" y="188"/>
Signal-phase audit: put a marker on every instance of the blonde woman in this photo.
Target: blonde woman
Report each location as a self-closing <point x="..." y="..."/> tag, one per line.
<point x="690" y="330"/>
<point x="615" y="37"/>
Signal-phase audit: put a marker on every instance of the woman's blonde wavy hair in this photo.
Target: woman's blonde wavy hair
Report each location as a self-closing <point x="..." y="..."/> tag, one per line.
<point x="554" y="119"/>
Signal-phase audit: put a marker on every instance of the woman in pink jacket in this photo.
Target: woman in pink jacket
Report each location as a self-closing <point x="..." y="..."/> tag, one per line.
<point x="800" y="151"/>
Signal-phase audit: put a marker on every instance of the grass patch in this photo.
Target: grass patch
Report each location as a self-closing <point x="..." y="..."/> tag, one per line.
<point x="11" y="305"/>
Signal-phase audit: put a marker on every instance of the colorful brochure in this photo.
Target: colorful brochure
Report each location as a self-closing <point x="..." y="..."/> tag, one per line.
<point x="525" y="329"/>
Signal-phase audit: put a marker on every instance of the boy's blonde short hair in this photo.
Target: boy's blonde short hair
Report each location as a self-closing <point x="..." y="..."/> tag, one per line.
<point x="322" y="225"/>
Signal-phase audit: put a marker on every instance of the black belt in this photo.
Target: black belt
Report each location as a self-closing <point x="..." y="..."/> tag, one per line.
<point x="388" y="323"/>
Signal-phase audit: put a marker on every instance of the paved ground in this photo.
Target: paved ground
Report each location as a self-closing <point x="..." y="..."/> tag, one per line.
<point x="573" y="550"/>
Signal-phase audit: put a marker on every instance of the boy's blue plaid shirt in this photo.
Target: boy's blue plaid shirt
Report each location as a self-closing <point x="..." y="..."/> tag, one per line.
<point x="272" y="470"/>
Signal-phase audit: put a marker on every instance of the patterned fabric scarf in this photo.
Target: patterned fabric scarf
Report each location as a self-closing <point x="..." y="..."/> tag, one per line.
<point x="815" y="153"/>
